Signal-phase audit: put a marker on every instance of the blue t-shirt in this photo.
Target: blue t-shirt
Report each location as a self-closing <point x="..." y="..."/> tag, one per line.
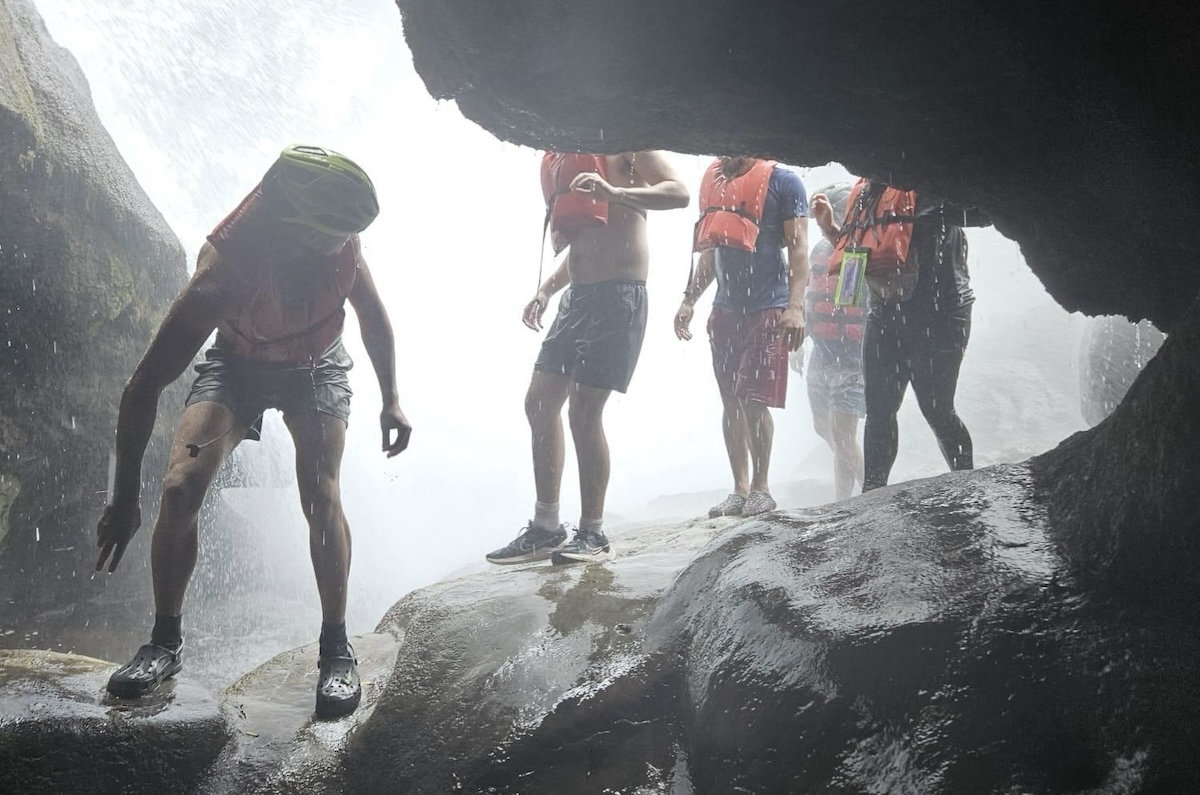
<point x="759" y="279"/>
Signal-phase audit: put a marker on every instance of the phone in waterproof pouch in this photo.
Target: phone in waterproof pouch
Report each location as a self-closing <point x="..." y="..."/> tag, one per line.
<point x="851" y="277"/>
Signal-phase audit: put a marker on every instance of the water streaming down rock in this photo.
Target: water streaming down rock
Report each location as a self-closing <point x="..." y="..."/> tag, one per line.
<point x="976" y="531"/>
<point x="199" y="130"/>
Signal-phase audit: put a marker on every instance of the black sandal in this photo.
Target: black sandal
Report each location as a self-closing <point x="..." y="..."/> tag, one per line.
<point x="338" y="687"/>
<point x="149" y="668"/>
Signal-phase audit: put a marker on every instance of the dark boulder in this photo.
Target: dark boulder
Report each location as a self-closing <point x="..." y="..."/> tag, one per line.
<point x="1074" y="131"/>
<point x="60" y="732"/>
<point x="927" y="638"/>
<point x="1124" y="497"/>
<point x="533" y="679"/>
<point x="930" y="637"/>
<point x="88" y="268"/>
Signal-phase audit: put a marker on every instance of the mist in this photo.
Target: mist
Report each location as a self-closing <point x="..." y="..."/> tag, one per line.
<point x="201" y="99"/>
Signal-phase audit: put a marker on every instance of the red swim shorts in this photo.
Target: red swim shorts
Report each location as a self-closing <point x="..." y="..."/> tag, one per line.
<point x="750" y="356"/>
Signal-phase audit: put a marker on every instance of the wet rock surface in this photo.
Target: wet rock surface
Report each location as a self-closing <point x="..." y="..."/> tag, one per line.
<point x="1124" y="497"/>
<point x="930" y="637"/>
<point x="1075" y="138"/>
<point x="933" y="637"/>
<point x="88" y="267"/>
<point x="532" y="679"/>
<point x="278" y="746"/>
<point x="61" y="733"/>
<point x="927" y="638"/>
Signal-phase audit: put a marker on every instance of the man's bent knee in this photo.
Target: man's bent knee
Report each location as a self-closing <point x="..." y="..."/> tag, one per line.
<point x="183" y="492"/>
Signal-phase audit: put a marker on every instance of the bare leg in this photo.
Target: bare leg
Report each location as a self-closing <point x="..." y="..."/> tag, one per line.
<point x="847" y="456"/>
<point x="591" y="448"/>
<point x="176" y="541"/>
<point x="761" y="435"/>
<point x="320" y="440"/>
<point x="737" y="444"/>
<point x="543" y="407"/>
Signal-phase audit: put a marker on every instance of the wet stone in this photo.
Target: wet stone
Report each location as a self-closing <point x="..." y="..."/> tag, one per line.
<point x="60" y="732"/>
<point x="278" y="745"/>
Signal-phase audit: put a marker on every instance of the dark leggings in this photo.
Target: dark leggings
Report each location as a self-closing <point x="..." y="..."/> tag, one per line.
<point x="913" y="343"/>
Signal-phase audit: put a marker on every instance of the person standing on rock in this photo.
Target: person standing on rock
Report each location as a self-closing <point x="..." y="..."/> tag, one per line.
<point x="753" y="239"/>
<point x="835" y="376"/>
<point x="272" y="281"/>
<point x="911" y="250"/>
<point x="596" y="209"/>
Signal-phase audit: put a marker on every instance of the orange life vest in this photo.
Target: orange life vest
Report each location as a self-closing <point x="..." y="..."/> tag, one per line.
<point x="731" y="208"/>
<point x="568" y="212"/>
<point x="879" y="218"/>
<point x="281" y="320"/>
<point x="824" y="318"/>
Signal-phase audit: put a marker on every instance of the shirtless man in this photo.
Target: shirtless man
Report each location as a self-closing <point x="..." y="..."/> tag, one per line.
<point x="597" y="210"/>
<point x="272" y="281"/>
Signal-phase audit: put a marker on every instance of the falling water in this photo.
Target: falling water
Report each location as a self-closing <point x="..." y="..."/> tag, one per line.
<point x="200" y="98"/>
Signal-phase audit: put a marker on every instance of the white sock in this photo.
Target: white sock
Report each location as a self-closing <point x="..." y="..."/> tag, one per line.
<point x="545" y="515"/>
<point x="592" y="525"/>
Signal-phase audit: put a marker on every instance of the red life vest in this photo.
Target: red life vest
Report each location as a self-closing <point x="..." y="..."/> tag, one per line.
<point x="879" y="218"/>
<point x="294" y="307"/>
<point x="568" y="212"/>
<point x="731" y="208"/>
<point x="824" y="318"/>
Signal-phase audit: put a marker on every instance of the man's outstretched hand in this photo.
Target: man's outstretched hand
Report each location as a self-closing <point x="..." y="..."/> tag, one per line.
<point x="393" y="419"/>
<point x="120" y="521"/>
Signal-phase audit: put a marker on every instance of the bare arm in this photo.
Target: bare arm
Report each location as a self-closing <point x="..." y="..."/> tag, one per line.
<point x="822" y="212"/>
<point x="706" y="271"/>
<point x="196" y="312"/>
<point x="557" y="280"/>
<point x="536" y="308"/>
<point x="702" y="276"/>
<point x="795" y="238"/>
<point x="376" y="330"/>
<point x="664" y="191"/>
<point x="189" y="322"/>
<point x="380" y="343"/>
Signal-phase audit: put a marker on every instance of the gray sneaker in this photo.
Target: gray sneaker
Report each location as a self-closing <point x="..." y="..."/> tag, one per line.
<point x="730" y="506"/>
<point x="532" y="544"/>
<point x="758" y="502"/>
<point x="585" y="547"/>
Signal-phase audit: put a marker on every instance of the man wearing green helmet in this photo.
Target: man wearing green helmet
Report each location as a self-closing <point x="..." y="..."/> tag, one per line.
<point x="272" y="281"/>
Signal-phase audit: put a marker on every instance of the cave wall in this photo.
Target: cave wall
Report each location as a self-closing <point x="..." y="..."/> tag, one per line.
<point x="88" y="267"/>
<point x="1124" y="497"/>
<point x="1074" y="131"/>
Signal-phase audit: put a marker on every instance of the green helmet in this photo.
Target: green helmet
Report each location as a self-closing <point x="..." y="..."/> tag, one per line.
<point x="320" y="189"/>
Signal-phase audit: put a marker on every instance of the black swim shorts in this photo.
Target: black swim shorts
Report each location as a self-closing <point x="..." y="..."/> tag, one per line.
<point x="597" y="336"/>
<point x="248" y="388"/>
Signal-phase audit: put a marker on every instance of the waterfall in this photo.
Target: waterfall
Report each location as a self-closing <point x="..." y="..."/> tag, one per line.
<point x="200" y="97"/>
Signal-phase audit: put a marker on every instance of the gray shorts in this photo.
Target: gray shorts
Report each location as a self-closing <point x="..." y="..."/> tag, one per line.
<point x="597" y="336"/>
<point x="836" y="386"/>
<point x="248" y="388"/>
